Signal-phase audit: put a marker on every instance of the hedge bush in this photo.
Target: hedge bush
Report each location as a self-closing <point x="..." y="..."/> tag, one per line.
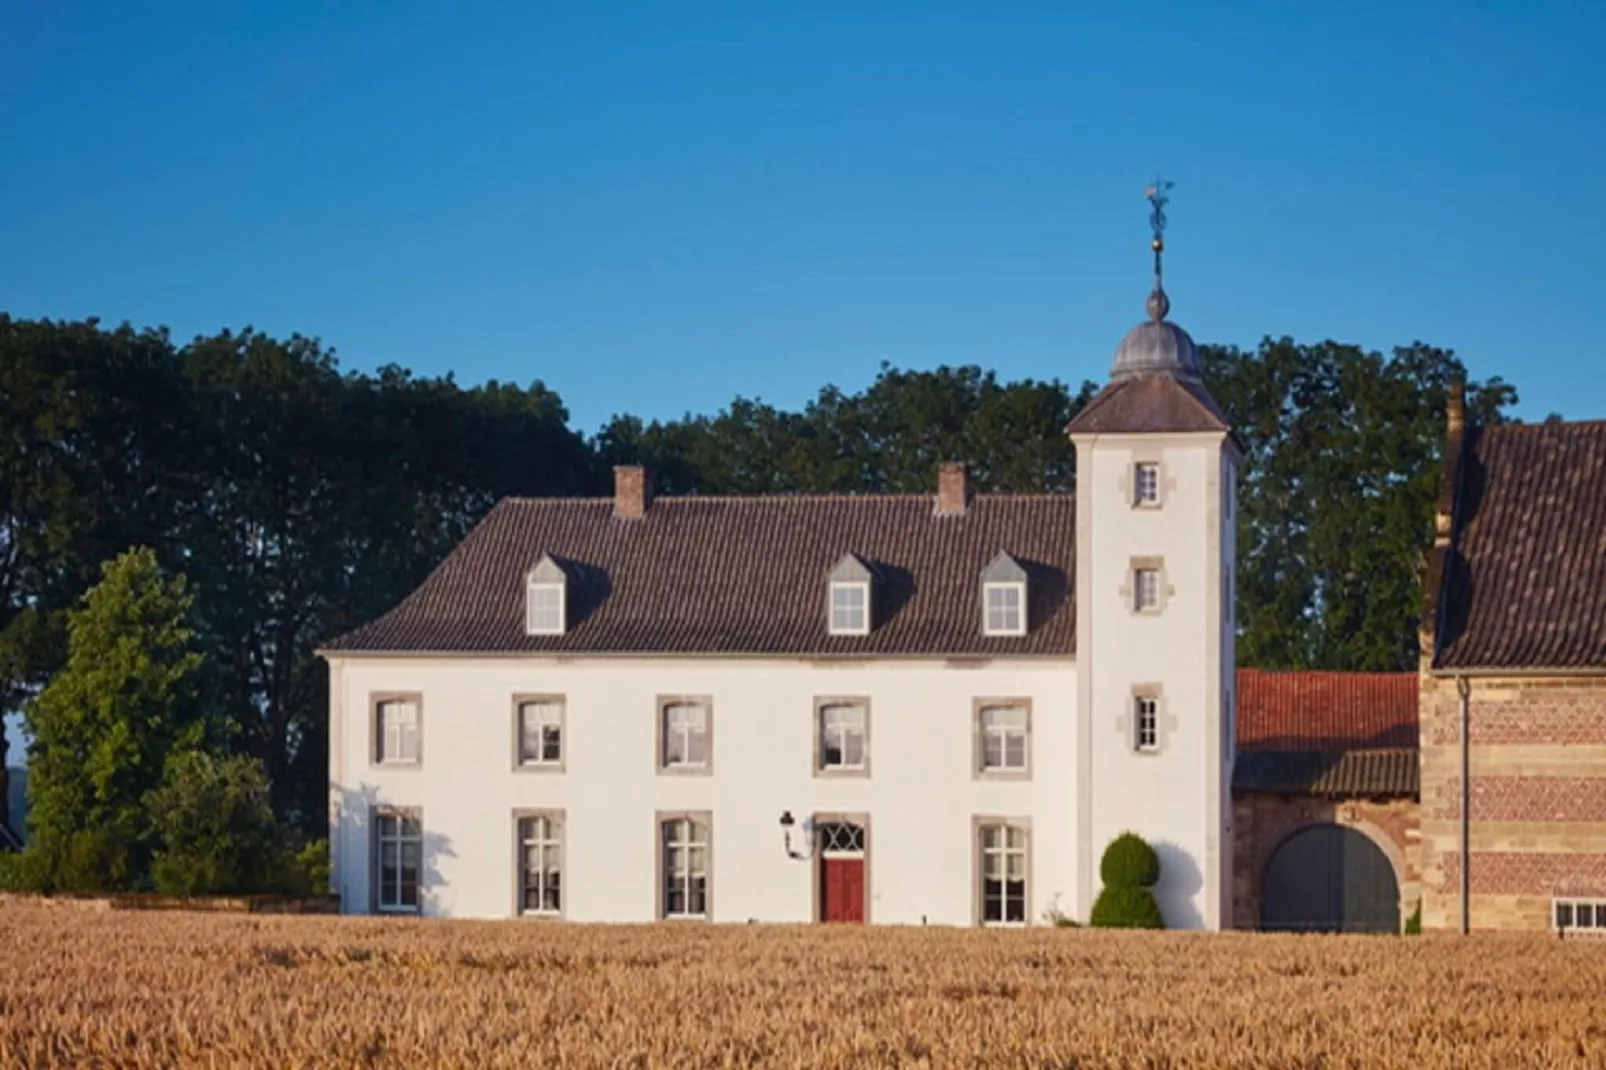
<point x="1129" y="862"/>
<point x="1126" y="908"/>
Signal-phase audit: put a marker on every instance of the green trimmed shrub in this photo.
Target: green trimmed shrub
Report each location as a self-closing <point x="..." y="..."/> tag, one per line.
<point x="1129" y="862"/>
<point x="1126" y="908"/>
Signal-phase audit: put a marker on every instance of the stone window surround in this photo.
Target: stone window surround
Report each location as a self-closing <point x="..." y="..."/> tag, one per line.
<point x="1128" y="483"/>
<point x="415" y="813"/>
<point x="1165" y="723"/>
<point x="661" y="818"/>
<point x="977" y="904"/>
<point x="820" y="703"/>
<point x="660" y="706"/>
<point x="978" y="751"/>
<point x="520" y="815"/>
<point x="559" y="766"/>
<point x="375" y="744"/>
<point x="1129" y="585"/>
<point x="819" y="818"/>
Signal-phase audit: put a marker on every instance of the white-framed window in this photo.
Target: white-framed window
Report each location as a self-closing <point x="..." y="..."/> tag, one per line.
<point x="1579" y="915"/>
<point x="844" y="732"/>
<point x="1146" y="483"/>
<point x="1005" y="738"/>
<point x="850" y="608"/>
<point x="684" y="735"/>
<point x="685" y="868"/>
<point x="1006" y="609"/>
<point x="397" y="734"/>
<point x="1146" y="723"/>
<point x="540" y="732"/>
<point x="398" y="858"/>
<point x="1004" y="854"/>
<point x="1146" y="589"/>
<point x="541" y="864"/>
<point x="544" y="608"/>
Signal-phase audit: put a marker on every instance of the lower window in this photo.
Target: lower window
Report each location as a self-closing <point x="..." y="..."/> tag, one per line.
<point x="1588" y="915"/>
<point x="1004" y="857"/>
<point x="541" y="865"/>
<point x="685" y="848"/>
<point x="398" y="850"/>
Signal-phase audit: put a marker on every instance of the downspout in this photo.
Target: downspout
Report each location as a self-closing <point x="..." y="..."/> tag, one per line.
<point x="1463" y="687"/>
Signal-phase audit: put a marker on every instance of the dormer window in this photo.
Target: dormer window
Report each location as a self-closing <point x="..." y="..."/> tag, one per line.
<point x="546" y="599"/>
<point x="848" y="611"/>
<point x="1003" y="597"/>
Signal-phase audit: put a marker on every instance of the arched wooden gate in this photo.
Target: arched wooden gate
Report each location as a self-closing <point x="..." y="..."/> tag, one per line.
<point x="1328" y="878"/>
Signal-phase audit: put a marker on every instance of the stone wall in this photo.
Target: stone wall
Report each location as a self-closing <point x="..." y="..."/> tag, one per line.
<point x="1538" y="798"/>
<point x="1261" y="821"/>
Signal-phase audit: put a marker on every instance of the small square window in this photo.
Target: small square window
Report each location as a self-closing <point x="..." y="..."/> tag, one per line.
<point x="1006" y="609"/>
<point x="850" y="612"/>
<point x="396" y="732"/>
<point x="1146" y="483"/>
<point x="843" y="737"/>
<point x="541" y="732"/>
<point x="544" y="609"/>
<point x="1004" y="739"/>
<point x="1146" y="723"/>
<point x="685" y="735"/>
<point x="1146" y="589"/>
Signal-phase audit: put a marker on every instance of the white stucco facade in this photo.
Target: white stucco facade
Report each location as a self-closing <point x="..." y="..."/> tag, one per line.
<point x="920" y="799"/>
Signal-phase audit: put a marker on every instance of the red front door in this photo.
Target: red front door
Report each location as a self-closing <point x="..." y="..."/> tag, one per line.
<point x="842" y="889"/>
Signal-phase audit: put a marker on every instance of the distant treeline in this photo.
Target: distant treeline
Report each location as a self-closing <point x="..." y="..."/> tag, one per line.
<point x="300" y="501"/>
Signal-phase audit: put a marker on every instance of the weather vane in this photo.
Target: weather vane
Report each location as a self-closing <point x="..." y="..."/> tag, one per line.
<point x="1157" y="192"/>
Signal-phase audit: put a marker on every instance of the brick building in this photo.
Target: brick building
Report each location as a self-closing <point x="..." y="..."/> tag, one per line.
<point x="1514" y="647"/>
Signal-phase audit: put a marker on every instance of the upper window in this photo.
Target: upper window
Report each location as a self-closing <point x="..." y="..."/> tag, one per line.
<point x="397" y="731"/>
<point x="684" y="733"/>
<point x="540" y="732"/>
<point x="1146" y="483"/>
<point x="1005" y="738"/>
<point x="1146" y="722"/>
<point x="1005" y="862"/>
<point x="546" y="599"/>
<point x="1146" y="589"/>
<point x="848" y="604"/>
<point x="398" y="857"/>
<point x="685" y="868"/>
<point x="844" y="734"/>
<point x="541" y="865"/>
<point x="1006" y="609"/>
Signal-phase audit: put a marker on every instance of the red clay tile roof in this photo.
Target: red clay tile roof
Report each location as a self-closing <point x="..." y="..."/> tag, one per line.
<point x="1149" y="403"/>
<point x="742" y="576"/>
<point x="1525" y="582"/>
<point x="1326" y="711"/>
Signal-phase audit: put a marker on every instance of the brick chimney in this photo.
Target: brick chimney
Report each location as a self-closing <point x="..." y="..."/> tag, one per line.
<point x="632" y="492"/>
<point x="953" y="489"/>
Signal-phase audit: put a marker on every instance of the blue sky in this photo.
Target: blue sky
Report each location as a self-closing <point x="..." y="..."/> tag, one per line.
<point x="655" y="207"/>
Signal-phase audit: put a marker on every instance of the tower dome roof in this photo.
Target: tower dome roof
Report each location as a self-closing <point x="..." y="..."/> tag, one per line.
<point x="1157" y="347"/>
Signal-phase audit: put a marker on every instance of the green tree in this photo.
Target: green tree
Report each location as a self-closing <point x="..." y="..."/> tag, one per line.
<point x="104" y="728"/>
<point x="214" y="828"/>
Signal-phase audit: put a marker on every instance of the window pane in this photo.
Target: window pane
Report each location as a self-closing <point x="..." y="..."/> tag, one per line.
<point x="1564" y="915"/>
<point x="991" y="837"/>
<point x="1004" y="717"/>
<point x="992" y="756"/>
<point x="853" y="749"/>
<point x="1584" y="915"/>
<point x="695" y="747"/>
<point x="1015" y="751"/>
<point x="1015" y="901"/>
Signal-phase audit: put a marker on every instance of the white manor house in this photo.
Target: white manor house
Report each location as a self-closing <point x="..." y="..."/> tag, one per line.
<point x="900" y="709"/>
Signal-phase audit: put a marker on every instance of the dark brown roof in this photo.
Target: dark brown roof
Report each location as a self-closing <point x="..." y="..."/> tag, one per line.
<point x="1149" y="403"/>
<point x="1319" y="711"/>
<point x="742" y="576"/>
<point x="1525" y="583"/>
<point x="1392" y="771"/>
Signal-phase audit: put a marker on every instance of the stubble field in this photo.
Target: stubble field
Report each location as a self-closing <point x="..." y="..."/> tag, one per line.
<point x="88" y="989"/>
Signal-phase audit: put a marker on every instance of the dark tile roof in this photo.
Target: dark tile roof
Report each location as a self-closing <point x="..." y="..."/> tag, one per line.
<point x="1390" y="772"/>
<point x="742" y="576"/>
<point x="1325" y="711"/>
<point x="1150" y="403"/>
<point x="1525" y="582"/>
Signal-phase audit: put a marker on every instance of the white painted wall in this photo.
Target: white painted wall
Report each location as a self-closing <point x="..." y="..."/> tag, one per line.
<point x="1177" y="798"/>
<point x="921" y="795"/>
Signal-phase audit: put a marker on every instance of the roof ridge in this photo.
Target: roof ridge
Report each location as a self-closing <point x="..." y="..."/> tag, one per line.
<point x="782" y="497"/>
<point x="1348" y="673"/>
<point x="1543" y="424"/>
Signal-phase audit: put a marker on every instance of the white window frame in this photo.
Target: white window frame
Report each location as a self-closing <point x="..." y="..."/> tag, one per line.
<point x="1146" y="723"/>
<point x="1003" y="732"/>
<point x="823" y="730"/>
<point x="1014" y="841"/>
<point x="541" y="832"/>
<point x="1147" y="585"/>
<point x="1574" y="905"/>
<point x="552" y="713"/>
<point x="1146" y="496"/>
<point x="1006" y="625"/>
<point x="691" y="836"/>
<point x="391" y="737"/>
<point x="395" y="829"/>
<point x="852" y="591"/>
<point x="668" y="707"/>
<point x="546" y="611"/>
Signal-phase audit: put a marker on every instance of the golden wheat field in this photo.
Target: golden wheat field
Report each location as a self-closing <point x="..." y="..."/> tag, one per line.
<point x="87" y="989"/>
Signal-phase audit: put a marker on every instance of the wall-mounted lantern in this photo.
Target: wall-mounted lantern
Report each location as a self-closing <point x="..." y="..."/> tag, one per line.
<point x="787" y="824"/>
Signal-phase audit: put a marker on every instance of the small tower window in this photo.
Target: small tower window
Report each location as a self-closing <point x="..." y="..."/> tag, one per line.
<point x="546" y="599"/>
<point x="1146" y="483"/>
<point x="1146" y="723"/>
<point x="1146" y="589"/>
<point x="1003" y="597"/>
<point x="848" y="606"/>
